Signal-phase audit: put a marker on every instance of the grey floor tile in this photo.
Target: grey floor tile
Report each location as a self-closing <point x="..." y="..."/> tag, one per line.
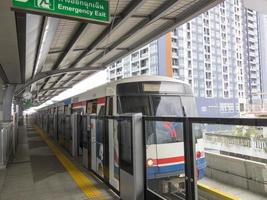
<point x="36" y="174"/>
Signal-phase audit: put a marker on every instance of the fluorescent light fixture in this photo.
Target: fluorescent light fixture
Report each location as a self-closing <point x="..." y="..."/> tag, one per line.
<point x="93" y="81"/>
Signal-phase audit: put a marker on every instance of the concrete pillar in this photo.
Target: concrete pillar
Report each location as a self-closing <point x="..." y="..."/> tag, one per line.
<point x="19" y="110"/>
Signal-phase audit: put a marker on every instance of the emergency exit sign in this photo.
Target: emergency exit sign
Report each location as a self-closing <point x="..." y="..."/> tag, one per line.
<point x="91" y="10"/>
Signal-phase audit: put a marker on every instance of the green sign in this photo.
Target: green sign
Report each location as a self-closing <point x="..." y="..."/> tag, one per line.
<point x="96" y="10"/>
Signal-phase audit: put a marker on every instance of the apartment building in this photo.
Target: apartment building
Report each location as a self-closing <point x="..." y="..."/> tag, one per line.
<point x="252" y="59"/>
<point x="263" y="55"/>
<point x="216" y="53"/>
<point x="141" y="62"/>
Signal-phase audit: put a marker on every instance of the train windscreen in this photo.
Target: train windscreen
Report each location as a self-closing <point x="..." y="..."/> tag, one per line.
<point x="156" y="99"/>
<point x="151" y="105"/>
<point x="134" y="104"/>
<point x="167" y="106"/>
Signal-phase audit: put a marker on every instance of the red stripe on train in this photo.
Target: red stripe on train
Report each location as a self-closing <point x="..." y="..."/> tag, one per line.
<point x="173" y="159"/>
<point x="168" y="160"/>
<point x="101" y="100"/>
<point x="79" y="104"/>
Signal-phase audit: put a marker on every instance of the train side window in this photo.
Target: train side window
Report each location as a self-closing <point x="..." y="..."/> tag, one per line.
<point x="109" y="106"/>
<point x="102" y="111"/>
<point x="91" y="107"/>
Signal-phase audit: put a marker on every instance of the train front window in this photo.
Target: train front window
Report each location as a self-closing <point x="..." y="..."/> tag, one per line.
<point x="160" y="132"/>
<point x="167" y="106"/>
<point x="134" y="104"/>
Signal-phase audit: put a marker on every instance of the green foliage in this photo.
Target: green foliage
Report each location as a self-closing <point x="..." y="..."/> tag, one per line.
<point x="247" y="132"/>
<point x="251" y="131"/>
<point x="239" y="131"/>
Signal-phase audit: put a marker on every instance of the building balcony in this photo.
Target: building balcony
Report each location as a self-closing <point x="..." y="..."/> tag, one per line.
<point x="119" y="66"/>
<point x="254" y="76"/>
<point x="175" y="66"/>
<point x="174" y="55"/>
<point x="144" y="55"/>
<point x="174" y="44"/>
<point x="135" y="58"/>
<point x="135" y="69"/>
<point x="119" y="73"/>
<point x="112" y="76"/>
<point x="173" y="35"/>
<point x="145" y="66"/>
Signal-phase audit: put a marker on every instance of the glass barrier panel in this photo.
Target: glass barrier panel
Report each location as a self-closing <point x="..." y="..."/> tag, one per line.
<point x="165" y="158"/>
<point x="68" y="133"/>
<point x="97" y="149"/>
<point x="114" y="166"/>
<point x="231" y="159"/>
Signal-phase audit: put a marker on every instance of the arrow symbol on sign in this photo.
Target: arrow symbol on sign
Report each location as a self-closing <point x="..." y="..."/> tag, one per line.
<point x="24" y="1"/>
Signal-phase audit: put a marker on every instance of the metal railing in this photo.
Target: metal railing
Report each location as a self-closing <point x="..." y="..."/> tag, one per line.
<point x="6" y="143"/>
<point x="251" y="142"/>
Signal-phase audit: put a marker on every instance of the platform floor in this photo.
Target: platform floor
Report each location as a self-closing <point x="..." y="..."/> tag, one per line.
<point x="35" y="173"/>
<point x="240" y="193"/>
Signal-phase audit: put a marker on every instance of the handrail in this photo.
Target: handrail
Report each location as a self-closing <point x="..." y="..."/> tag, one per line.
<point x="6" y="142"/>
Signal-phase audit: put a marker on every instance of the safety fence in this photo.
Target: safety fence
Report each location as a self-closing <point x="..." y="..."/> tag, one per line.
<point x="97" y="140"/>
<point x="172" y="151"/>
<point x="7" y="142"/>
<point x="251" y="142"/>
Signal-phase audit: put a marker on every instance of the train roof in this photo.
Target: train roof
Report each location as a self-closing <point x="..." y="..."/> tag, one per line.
<point x="125" y="80"/>
<point x="145" y="78"/>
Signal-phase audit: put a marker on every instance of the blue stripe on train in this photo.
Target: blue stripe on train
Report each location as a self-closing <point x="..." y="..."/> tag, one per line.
<point x="153" y="171"/>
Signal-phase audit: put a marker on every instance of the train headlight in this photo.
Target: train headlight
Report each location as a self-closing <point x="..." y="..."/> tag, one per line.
<point x="150" y="162"/>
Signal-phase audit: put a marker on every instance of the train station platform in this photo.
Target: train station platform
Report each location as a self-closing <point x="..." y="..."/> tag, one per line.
<point x="41" y="170"/>
<point x="229" y="191"/>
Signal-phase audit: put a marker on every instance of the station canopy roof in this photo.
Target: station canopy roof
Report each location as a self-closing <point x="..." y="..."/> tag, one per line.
<point x="52" y="54"/>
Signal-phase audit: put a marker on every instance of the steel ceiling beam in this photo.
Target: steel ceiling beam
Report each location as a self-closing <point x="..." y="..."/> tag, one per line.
<point x="44" y="75"/>
<point x="46" y="36"/>
<point x="3" y="75"/>
<point x="41" y="35"/>
<point x="21" y="33"/>
<point x="70" y="45"/>
<point x="126" y="14"/>
<point x="156" y="15"/>
<point x="68" y="49"/>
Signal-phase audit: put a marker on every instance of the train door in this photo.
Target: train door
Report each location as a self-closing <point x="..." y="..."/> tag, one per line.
<point x="113" y="146"/>
<point x="85" y="121"/>
<point x="100" y="134"/>
<point x="91" y="110"/>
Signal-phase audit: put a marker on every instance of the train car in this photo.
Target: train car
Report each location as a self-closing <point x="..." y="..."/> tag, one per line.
<point x="151" y="96"/>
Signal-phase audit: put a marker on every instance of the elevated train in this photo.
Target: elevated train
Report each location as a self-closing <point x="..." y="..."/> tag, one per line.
<point x="151" y="96"/>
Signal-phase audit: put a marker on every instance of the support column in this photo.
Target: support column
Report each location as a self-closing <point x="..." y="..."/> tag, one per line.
<point x="19" y="110"/>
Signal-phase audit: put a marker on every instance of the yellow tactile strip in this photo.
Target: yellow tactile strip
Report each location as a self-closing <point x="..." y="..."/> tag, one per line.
<point x="85" y="184"/>
<point x="217" y="193"/>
